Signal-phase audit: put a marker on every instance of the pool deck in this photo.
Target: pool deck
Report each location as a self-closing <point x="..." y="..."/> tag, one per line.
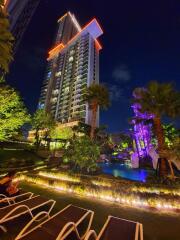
<point x="156" y="226"/>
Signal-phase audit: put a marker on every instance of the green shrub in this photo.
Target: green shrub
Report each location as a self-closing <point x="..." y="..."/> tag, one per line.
<point x="83" y="153"/>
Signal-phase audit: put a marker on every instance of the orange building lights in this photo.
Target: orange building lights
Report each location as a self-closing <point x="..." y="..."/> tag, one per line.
<point x="98" y="45"/>
<point x="92" y="27"/>
<point x="56" y="49"/>
<point x="73" y="65"/>
<point x="6" y="3"/>
<point x="61" y="18"/>
<point x="3" y="3"/>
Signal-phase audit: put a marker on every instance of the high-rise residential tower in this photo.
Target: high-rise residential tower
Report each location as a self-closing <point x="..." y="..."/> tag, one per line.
<point x="73" y="65"/>
<point x="20" y="13"/>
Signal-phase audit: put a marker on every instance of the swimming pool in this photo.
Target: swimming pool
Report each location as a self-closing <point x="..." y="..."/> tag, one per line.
<point x="124" y="171"/>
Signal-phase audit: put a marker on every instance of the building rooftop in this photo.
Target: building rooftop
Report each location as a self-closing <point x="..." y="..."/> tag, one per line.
<point x="92" y="27"/>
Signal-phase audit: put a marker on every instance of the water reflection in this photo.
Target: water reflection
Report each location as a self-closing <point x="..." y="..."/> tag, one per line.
<point x="121" y="170"/>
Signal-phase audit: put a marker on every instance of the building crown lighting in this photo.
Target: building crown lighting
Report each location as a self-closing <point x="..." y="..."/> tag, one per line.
<point x="73" y="64"/>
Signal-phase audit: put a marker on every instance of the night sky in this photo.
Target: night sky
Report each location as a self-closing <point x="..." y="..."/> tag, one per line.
<point x="141" y="42"/>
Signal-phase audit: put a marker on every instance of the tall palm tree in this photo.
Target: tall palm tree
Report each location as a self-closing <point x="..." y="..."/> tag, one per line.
<point x="96" y="95"/>
<point x="6" y="41"/>
<point x="159" y="99"/>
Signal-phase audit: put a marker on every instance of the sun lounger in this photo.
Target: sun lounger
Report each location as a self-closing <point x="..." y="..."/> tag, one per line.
<point x="72" y="222"/>
<point x="118" y="229"/>
<point x="27" y="206"/>
<point x="5" y="200"/>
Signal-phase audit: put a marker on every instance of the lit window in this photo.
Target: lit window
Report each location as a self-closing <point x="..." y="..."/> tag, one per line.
<point x="55" y="92"/>
<point x="58" y="74"/>
<point x="53" y="100"/>
<point x="71" y="52"/>
<point x="49" y="74"/>
<point x="71" y="59"/>
<point x="66" y="89"/>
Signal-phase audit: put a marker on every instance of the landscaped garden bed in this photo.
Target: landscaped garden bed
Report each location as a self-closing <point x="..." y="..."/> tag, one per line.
<point x="121" y="191"/>
<point x="20" y="159"/>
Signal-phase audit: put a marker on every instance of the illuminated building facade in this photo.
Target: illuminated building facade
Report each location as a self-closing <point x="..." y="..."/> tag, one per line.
<point x="20" y="13"/>
<point x="73" y="65"/>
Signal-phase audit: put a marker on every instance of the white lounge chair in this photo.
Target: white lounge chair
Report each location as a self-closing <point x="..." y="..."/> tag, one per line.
<point x="5" y="200"/>
<point x="27" y="206"/>
<point x="72" y="221"/>
<point x="117" y="229"/>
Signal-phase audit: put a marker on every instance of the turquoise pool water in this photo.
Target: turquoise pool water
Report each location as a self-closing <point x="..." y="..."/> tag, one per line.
<point x="124" y="171"/>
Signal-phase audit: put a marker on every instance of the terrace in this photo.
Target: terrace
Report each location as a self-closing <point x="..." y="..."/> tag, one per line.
<point x="157" y="225"/>
<point x="155" y="206"/>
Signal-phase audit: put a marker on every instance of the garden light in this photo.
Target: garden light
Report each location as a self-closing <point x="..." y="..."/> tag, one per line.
<point x="125" y="199"/>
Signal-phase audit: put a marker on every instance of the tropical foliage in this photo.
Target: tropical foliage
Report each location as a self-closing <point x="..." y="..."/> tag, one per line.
<point x="176" y="147"/>
<point x="42" y="121"/>
<point x="97" y="96"/>
<point x="13" y="114"/>
<point x="61" y="133"/>
<point x="101" y="138"/>
<point x="83" y="153"/>
<point x="6" y="41"/>
<point x="122" y="145"/>
<point x="81" y="129"/>
<point x="170" y="133"/>
<point x="159" y="99"/>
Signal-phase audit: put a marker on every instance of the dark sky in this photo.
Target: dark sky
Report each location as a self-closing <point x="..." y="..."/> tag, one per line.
<point x="141" y="42"/>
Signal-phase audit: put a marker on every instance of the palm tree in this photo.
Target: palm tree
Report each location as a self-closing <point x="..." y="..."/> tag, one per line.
<point x="159" y="99"/>
<point x="96" y="95"/>
<point x="6" y="41"/>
